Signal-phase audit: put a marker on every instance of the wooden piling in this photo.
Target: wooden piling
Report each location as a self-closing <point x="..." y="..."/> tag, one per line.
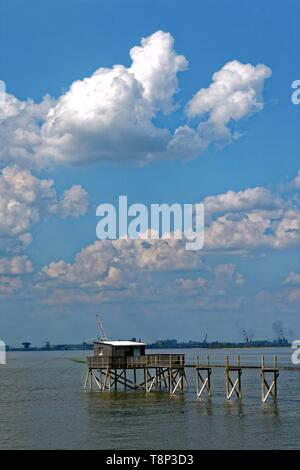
<point x="236" y="386"/>
<point x="269" y="389"/>
<point x="203" y="383"/>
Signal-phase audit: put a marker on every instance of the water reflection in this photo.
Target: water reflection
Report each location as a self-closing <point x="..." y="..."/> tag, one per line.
<point x="270" y="408"/>
<point x="50" y="391"/>
<point x="205" y="406"/>
<point x="234" y="408"/>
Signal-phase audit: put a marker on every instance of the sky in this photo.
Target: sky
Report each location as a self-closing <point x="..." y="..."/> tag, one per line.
<point x="165" y="102"/>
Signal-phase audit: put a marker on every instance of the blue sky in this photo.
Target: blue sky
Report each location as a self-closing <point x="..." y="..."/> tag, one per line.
<point x="47" y="46"/>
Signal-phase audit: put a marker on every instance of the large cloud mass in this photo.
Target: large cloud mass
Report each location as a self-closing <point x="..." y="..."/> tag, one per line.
<point x="111" y="115"/>
<point x="249" y="221"/>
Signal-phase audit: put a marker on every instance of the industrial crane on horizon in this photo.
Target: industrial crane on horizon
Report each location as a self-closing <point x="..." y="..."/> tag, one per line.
<point x="102" y="334"/>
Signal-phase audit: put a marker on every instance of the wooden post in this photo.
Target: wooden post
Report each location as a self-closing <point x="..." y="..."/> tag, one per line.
<point x="275" y="376"/>
<point x="227" y="376"/>
<point x="266" y="388"/>
<point x="239" y="377"/>
<point x="262" y="378"/>
<point x="208" y="377"/>
<point x="86" y="379"/>
<point x="203" y="383"/>
<point x="109" y="378"/>
<point x="145" y="378"/>
<point x="197" y="375"/>
<point x="91" y="380"/>
<point x="170" y="374"/>
<point x="146" y="374"/>
<point x="181" y="373"/>
<point x="235" y="386"/>
<point x="181" y="379"/>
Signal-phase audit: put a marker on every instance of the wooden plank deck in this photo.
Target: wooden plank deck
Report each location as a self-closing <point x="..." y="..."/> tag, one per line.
<point x="176" y="360"/>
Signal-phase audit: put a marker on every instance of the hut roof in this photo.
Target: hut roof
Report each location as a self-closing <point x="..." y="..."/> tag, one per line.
<point x="121" y="343"/>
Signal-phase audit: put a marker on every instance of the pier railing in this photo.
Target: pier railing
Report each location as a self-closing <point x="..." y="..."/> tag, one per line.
<point x="149" y="360"/>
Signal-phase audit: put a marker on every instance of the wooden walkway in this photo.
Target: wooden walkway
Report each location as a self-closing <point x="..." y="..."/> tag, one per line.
<point x="168" y="372"/>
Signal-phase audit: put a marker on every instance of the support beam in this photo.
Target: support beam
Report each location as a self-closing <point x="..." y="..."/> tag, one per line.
<point x="203" y="383"/>
<point x="233" y="386"/>
<point x="180" y="380"/>
<point x="86" y="379"/>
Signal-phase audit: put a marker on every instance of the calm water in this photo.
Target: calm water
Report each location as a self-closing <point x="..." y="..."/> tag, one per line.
<point x="44" y="406"/>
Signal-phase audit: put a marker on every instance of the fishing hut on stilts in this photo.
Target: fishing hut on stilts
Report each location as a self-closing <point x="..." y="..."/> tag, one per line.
<point x="124" y="365"/>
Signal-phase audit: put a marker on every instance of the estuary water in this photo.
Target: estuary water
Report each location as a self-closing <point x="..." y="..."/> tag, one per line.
<point x="43" y="406"/>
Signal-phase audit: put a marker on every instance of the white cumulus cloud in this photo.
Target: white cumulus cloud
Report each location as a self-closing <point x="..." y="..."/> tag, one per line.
<point x="26" y="199"/>
<point x="15" y="265"/>
<point x="74" y="202"/>
<point x="20" y="130"/>
<point x="119" y="262"/>
<point x="250" y="198"/>
<point x="293" y="278"/>
<point x="296" y="181"/>
<point x="110" y="116"/>
<point x="257" y="229"/>
<point x="235" y="93"/>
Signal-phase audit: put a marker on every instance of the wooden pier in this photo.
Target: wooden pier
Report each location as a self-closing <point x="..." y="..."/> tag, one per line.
<point x="233" y="376"/>
<point x="158" y="372"/>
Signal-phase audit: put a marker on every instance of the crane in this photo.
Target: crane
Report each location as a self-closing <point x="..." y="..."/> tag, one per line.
<point x="246" y="336"/>
<point x="102" y="334"/>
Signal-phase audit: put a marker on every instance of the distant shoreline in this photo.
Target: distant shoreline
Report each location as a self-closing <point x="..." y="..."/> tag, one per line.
<point x="162" y="345"/>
